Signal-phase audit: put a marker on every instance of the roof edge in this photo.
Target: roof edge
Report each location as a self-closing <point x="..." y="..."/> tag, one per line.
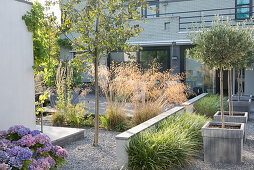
<point x="26" y="2"/>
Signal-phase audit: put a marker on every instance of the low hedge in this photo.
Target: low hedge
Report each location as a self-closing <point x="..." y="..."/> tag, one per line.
<point x="209" y="105"/>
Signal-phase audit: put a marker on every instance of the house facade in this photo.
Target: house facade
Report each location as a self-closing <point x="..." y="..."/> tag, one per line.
<point x="16" y="73"/>
<point x="165" y="38"/>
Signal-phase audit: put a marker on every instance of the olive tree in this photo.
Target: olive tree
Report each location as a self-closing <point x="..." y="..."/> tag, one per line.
<point x="101" y="27"/>
<point x="221" y="46"/>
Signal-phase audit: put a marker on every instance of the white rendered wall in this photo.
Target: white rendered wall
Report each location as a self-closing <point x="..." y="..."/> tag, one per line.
<point x="16" y="61"/>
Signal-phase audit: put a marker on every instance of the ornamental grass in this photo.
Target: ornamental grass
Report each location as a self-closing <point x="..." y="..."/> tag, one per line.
<point x="171" y="143"/>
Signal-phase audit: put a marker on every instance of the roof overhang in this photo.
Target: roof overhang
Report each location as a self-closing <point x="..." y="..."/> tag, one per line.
<point x="162" y="43"/>
<point x="26" y="2"/>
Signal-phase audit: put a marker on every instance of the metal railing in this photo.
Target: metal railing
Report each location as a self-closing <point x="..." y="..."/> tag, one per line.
<point x="189" y="19"/>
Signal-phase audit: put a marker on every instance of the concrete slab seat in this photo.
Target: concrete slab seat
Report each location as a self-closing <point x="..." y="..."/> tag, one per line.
<point x="62" y="135"/>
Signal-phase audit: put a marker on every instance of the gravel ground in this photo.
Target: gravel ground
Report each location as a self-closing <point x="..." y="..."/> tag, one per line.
<point x="248" y="154"/>
<point x="83" y="156"/>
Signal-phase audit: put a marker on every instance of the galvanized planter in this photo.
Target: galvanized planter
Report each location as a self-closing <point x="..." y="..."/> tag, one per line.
<point x="241" y="117"/>
<point x="242" y="97"/>
<point x="223" y="145"/>
<point x="242" y="106"/>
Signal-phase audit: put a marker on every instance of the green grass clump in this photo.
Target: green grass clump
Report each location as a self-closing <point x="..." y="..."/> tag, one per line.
<point x="170" y="144"/>
<point x="209" y="105"/>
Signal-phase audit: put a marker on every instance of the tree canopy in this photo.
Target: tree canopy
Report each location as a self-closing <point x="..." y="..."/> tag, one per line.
<point x="223" y="44"/>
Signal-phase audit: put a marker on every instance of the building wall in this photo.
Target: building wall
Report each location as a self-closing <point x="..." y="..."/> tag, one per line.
<point x="249" y="81"/>
<point x="16" y="73"/>
<point x="154" y="28"/>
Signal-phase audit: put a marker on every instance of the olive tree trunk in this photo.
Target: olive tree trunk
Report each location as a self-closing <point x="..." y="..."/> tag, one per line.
<point x="238" y="84"/>
<point x="221" y="96"/>
<point x="230" y="92"/>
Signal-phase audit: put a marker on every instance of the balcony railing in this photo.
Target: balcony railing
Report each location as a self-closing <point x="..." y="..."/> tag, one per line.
<point x="190" y="19"/>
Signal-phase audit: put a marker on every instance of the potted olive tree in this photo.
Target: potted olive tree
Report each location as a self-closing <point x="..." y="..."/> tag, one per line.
<point x="242" y="102"/>
<point x="219" y="47"/>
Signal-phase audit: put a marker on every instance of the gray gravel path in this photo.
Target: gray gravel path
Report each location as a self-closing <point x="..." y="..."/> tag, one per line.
<point x="248" y="154"/>
<point x="83" y="156"/>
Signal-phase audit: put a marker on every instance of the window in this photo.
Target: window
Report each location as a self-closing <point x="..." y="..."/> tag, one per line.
<point x="243" y="9"/>
<point x="167" y="25"/>
<point x="151" y="11"/>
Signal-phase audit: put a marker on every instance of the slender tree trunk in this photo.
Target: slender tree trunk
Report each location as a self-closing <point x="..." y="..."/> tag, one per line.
<point x="238" y="84"/>
<point x="96" y="134"/>
<point x="96" y="63"/>
<point x="221" y="96"/>
<point x="241" y="90"/>
<point x="229" y="93"/>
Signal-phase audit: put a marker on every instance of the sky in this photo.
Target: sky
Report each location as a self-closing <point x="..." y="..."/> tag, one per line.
<point x="54" y="9"/>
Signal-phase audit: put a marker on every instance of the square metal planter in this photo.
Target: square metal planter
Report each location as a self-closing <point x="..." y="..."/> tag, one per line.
<point x="240" y="117"/>
<point x="223" y="145"/>
<point x="242" y="98"/>
<point x="242" y="106"/>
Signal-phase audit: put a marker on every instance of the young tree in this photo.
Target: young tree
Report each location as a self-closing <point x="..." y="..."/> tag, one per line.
<point x="101" y="27"/>
<point x="220" y="46"/>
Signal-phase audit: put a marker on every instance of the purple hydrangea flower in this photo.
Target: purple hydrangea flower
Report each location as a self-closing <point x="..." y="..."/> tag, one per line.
<point x="4" y="166"/>
<point x="42" y="139"/>
<point x="51" y="161"/>
<point x="15" y="162"/>
<point x="60" y="152"/>
<point x="27" y="140"/>
<point x="14" y="129"/>
<point x="21" y="153"/>
<point x="3" y="133"/>
<point x="3" y="156"/>
<point x="43" y="163"/>
<point x="35" y="132"/>
<point x="25" y="154"/>
<point x="23" y="131"/>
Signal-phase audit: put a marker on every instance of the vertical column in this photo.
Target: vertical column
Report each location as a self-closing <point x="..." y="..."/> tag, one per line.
<point x="175" y="58"/>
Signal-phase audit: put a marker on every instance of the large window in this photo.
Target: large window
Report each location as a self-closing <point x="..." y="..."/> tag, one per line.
<point x="160" y="55"/>
<point x="243" y="9"/>
<point x="151" y="11"/>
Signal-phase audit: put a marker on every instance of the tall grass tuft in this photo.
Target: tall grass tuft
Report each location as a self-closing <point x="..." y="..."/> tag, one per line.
<point x="170" y="144"/>
<point x="209" y="105"/>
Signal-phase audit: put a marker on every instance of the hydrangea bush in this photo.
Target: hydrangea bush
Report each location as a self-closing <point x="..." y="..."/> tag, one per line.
<point x="21" y="148"/>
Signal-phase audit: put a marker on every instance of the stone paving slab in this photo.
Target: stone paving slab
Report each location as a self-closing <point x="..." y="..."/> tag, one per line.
<point x="62" y="135"/>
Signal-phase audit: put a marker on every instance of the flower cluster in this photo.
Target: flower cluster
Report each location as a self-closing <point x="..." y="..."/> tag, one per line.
<point x="22" y="148"/>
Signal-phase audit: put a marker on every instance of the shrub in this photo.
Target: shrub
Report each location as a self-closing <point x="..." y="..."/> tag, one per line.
<point x="21" y="148"/>
<point x="115" y="119"/>
<point x="209" y="105"/>
<point x="149" y="90"/>
<point x="171" y="143"/>
<point x="145" y="112"/>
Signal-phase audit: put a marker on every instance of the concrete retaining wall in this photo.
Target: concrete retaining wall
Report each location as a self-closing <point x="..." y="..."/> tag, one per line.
<point x="123" y="139"/>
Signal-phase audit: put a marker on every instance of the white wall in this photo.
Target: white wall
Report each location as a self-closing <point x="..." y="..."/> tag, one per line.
<point x="16" y="61"/>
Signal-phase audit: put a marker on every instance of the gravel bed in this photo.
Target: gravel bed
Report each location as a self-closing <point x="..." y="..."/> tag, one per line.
<point x="84" y="156"/>
<point x="248" y="154"/>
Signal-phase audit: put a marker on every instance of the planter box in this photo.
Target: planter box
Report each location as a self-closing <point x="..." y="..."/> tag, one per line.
<point x="239" y="117"/>
<point x="223" y="145"/>
<point x="242" y="98"/>
<point x="242" y="106"/>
